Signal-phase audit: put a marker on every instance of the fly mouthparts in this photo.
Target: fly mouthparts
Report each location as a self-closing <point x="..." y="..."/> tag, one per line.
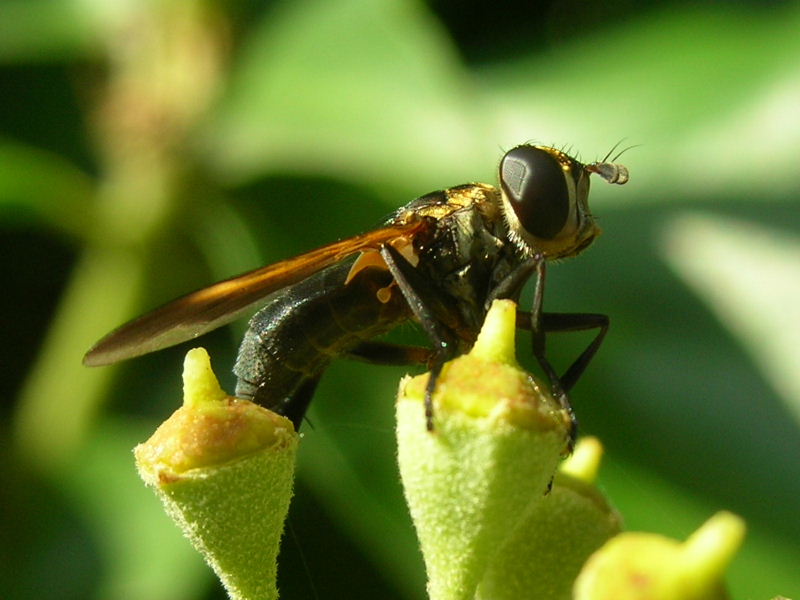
<point x="611" y="172"/>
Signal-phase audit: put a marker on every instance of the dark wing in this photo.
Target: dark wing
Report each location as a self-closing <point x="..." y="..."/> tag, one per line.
<point x="204" y="310"/>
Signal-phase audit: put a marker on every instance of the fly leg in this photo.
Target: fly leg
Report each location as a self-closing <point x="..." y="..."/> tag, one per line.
<point x="386" y="353"/>
<point x="534" y="321"/>
<point x="429" y="311"/>
<point x="561" y="322"/>
<point x="511" y="285"/>
<point x="565" y="322"/>
<point x="538" y="341"/>
<point x="541" y="323"/>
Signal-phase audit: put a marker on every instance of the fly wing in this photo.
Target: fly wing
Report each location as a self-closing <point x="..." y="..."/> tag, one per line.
<point x="204" y="310"/>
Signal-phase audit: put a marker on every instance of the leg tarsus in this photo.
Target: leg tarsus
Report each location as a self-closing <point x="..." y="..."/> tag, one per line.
<point x="433" y="378"/>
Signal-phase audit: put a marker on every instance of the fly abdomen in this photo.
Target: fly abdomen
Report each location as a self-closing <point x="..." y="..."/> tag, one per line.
<point x="293" y="338"/>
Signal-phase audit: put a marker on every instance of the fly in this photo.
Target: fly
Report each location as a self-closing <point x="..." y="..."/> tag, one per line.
<point x="440" y="260"/>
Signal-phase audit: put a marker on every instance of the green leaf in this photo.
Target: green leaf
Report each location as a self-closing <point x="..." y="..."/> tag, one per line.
<point x="45" y="186"/>
<point x="369" y="90"/>
<point x="44" y="30"/>
<point x="749" y="275"/>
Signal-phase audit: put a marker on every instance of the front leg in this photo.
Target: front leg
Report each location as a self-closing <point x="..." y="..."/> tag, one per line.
<point x="430" y="311"/>
<point x="538" y="343"/>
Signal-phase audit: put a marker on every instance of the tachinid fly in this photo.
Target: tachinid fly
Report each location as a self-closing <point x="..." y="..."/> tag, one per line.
<point x="440" y="261"/>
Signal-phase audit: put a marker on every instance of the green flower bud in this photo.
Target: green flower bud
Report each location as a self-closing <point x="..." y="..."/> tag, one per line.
<point x="224" y="469"/>
<point x="497" y="440"/>
<point x="646" y="566"/>
<point x="546" y="551"/>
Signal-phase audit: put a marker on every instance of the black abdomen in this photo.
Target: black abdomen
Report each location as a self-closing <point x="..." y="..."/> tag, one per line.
<point x="292" y="339"/>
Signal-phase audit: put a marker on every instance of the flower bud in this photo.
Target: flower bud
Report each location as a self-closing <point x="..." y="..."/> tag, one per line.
<point x="224" y="469"/>
<point x="497" y="440"/>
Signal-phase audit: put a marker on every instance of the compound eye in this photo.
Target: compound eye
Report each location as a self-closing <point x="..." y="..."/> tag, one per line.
<point x="535" y="186"/>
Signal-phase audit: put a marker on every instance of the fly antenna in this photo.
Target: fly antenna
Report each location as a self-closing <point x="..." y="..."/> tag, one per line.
<point x="611" y="171"/>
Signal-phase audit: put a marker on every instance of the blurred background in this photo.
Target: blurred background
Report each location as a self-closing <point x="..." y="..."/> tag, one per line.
<point x="151" y="147"/>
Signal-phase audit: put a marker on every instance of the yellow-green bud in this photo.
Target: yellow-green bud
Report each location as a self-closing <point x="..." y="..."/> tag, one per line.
<point x="545" y="552"/>
<point x="497" y="440"/>
<point x="646" y="566"/>
<point x="224" y="469"/>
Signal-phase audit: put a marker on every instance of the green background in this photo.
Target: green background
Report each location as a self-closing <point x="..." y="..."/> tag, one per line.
<point x="149" y="148"/>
